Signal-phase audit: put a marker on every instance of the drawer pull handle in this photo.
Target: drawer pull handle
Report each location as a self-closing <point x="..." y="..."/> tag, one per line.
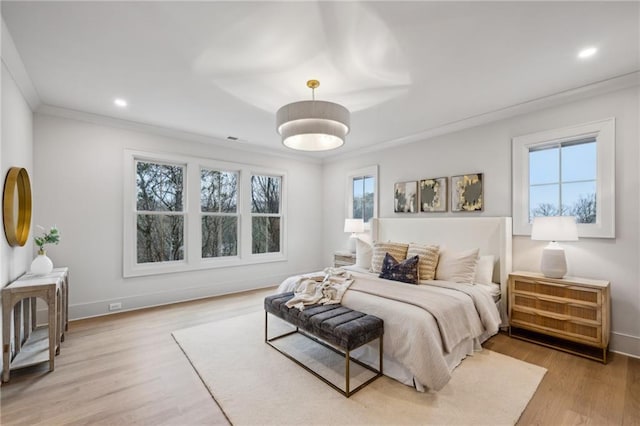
<point x="549" y="299"/>
<point x="554" y="316"/>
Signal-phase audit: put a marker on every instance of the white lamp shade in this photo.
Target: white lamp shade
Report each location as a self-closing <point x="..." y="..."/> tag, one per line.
<point x="353" y="225"/>
<point x="313" y="125"/>
<point x="554" y="228"/>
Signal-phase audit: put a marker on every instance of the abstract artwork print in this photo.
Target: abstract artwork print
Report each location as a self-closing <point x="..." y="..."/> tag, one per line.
<point x="466" y="193"/>
<point x="433" y="195"/>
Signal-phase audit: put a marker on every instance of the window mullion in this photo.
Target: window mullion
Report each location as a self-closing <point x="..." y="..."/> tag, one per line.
<point x="193" y="239"/>
<point x="244" y="205"/>
<point x="560" y="209"/>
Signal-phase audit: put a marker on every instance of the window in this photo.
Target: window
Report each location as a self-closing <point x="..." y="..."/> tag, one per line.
<point x="562" y="180"/>
<point x="159" y="211"/>
<point x="363" y="197"/>
<point x="362" y="201"/>
<point x="185" y="213"/>
<point x="265" y="213"/>
<point x="219" y="208"/>
<point x="568" y="172"/>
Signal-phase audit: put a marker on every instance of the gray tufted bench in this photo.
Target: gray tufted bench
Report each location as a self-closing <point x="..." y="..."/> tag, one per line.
<point x="341" y="327"/>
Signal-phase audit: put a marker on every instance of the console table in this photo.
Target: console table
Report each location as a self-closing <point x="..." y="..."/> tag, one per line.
<point x="35" y="344"/>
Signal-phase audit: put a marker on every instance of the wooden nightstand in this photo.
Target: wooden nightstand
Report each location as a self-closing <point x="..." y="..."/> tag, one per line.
<point x="343" y="258"/>
<point x="571" y="314"/>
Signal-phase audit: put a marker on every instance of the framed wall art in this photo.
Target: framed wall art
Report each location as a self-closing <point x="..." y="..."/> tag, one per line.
<point x="433" y="195"/>
<point x="405" y="197"/>
<point x="467" y="193"/>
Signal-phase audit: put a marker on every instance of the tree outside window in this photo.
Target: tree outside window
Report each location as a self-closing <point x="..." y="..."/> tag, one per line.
<point x="186" y="213"/>
<point x="363" y="197"/>
<point x="562" y="180"/>
<point x="219" y="208"/>
<point x="265" y="213"/>
<point x="160" y="212"/>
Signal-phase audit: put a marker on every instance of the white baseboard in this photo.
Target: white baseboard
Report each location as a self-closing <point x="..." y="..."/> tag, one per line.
<point x="131" y="303"/>
<point x="625" y="344"/>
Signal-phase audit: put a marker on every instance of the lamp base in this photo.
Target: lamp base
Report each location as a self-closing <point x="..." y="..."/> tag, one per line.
<point x="554" y="263"/>
<point x="352" y="243"/>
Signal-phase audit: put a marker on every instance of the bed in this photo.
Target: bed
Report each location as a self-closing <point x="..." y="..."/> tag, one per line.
<point x="431" y="327"/>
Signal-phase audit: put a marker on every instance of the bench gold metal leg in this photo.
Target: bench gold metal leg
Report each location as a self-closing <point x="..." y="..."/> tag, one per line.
<point x="346" y="373"/>
<point x="381" y="352"/>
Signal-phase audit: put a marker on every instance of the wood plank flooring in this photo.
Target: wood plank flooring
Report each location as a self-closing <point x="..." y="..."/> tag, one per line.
<point x="126" y="369"/>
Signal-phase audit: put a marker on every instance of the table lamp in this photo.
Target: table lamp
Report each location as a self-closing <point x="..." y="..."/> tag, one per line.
<point x="354" y="226"/>
<point x="553" y="229"/>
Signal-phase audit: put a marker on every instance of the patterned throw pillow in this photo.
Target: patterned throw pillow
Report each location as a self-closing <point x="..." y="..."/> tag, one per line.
<point x="397" y="250"/>
<point x="428" y="255"/>
<point x="405" y="271"/>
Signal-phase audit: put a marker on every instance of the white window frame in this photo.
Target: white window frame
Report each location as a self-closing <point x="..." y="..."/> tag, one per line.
<point x="182" y="212"/>
<point x="237" y="214"/>
<point x="604" y="133"/>
<point x="278" y="215"/>
<point x="193" y="259"/>
<point x="365" y="171"/>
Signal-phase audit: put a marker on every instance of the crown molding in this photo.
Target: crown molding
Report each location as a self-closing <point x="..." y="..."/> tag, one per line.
<point x="238" y="145"/>
<point x="571" y="95"/>
<point x="13" y="62"/>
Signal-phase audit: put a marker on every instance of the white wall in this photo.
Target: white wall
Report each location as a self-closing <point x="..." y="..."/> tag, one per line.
<point x="487" y="149"/>
<point x="79" y="187"/>
<point x="16" y="150"/>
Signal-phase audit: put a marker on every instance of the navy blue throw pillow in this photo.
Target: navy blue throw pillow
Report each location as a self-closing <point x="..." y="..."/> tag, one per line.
<point x="405" y="271"/>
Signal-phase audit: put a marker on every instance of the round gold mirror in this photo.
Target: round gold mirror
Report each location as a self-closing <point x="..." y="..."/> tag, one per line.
<point x="16" y="206"/>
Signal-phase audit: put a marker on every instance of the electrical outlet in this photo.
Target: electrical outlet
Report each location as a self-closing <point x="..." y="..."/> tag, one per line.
<point x="115" y="306"/>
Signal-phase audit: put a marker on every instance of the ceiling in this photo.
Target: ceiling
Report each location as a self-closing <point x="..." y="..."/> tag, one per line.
<point x="403" y="69"/>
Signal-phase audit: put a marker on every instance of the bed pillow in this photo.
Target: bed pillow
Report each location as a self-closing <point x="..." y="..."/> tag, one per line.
<point x="364" y="251"/>
<point x="428" y="259"/>
<point x="405" y="271"/>
<point x="397" y="250"/>
<point x="484" y="270"/>
<point x="457" y="267"/>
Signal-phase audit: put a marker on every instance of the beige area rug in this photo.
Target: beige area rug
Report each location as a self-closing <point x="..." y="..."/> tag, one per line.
<point x="255" y="384"/>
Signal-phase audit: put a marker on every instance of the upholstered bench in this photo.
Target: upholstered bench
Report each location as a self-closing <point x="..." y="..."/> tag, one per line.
<point x="342" y="328"/>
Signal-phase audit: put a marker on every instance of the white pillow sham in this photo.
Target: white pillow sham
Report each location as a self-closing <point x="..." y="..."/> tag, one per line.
<point x="484" y="269"/>
<point x="457" y="267"/>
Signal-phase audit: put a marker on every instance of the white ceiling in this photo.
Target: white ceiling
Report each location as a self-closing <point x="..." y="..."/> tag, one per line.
<point x="222" y="69"/>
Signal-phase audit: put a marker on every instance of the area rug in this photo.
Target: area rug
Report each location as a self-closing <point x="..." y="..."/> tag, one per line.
<point x="255" y="384"/>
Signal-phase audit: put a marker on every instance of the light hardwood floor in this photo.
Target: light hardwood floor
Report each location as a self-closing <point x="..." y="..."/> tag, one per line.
<point x="126" y="368"/>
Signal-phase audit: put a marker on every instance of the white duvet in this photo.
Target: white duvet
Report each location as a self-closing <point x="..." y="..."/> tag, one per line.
<point x="414" y="352"/>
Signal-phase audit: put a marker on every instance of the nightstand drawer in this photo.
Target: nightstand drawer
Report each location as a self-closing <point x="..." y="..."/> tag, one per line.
<point x="558" y="306"/>
<point x="559" y="291"/>
<point x="560" y="325"/>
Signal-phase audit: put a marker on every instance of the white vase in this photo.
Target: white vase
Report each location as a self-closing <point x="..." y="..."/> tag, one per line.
<point x="41" y="265"/>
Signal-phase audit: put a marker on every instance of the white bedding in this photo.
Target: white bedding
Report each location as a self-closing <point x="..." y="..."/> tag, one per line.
<point x="413" y="349"/>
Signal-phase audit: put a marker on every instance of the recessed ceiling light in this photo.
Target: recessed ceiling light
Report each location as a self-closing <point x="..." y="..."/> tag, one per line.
<point x="587" y="52"/>
<point x="120" y="102"/>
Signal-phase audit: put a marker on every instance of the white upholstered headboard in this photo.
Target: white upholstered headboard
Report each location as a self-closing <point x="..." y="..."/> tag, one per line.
<point x="492" y="235"/>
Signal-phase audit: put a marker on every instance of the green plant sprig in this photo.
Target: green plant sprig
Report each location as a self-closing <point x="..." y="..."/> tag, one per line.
<point x="51" y="237"/>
